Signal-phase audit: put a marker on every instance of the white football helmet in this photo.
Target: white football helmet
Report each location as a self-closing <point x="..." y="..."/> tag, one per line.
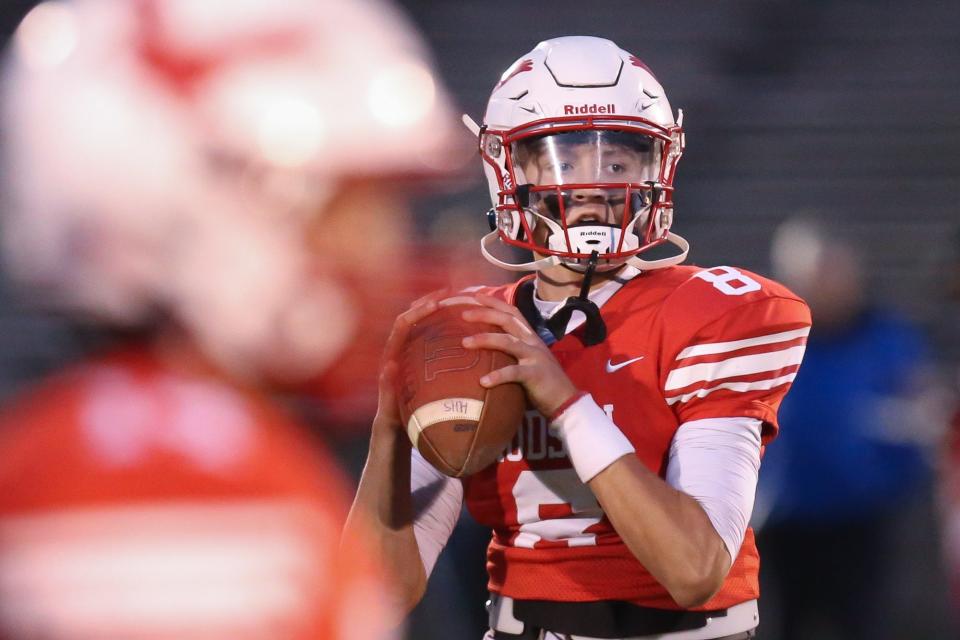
<point x="174" y="155"/>
<point x="580" y="148"/>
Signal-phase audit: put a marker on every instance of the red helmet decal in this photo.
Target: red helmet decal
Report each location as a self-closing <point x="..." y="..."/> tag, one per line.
<point x="637" y="62"/>
<point x="519" y="67"/>
<point x="183" y="69"/>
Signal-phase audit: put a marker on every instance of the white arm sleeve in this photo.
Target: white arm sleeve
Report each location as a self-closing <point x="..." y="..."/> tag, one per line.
<point x="716" y="461"/>
<point x="436" y="507"/>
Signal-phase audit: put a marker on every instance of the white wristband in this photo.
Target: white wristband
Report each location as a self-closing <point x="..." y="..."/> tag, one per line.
<point x="592" y="440"/>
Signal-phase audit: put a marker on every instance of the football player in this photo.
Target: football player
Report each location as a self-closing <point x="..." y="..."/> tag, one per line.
<point x="178" y="175"/>
<point x="621" y="508"/>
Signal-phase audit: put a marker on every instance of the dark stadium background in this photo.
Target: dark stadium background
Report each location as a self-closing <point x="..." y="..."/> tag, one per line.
<point x="850" y="110"/>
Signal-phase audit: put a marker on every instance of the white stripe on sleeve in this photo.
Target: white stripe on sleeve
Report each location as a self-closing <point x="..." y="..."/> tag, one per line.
<point x="724" y="347"/>
<point x="716" y="461"/>
<point x="733" y="367"/>
<point x="742" y="387"/>
<point x="436" y="508"/>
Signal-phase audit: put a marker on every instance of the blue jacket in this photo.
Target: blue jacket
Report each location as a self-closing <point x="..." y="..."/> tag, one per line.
<point x="835" y="458"/>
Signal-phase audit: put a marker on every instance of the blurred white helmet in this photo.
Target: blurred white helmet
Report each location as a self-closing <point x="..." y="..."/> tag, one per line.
<point x="170" y="155"/>
<point x="579" y="124"/>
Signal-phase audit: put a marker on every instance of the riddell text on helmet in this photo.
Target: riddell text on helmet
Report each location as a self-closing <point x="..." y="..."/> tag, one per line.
<point x="569" y="109"/>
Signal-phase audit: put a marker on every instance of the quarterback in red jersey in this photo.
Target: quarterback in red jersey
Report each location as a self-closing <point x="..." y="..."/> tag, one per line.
<point x="621" y="509"/>
<point x="180" y="175"/>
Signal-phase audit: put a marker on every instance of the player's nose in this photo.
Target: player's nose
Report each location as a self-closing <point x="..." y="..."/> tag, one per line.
<point x="588" y="194"/>
<point x="587" y="205"/>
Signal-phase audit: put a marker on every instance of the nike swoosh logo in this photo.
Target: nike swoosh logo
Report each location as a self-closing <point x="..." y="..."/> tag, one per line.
<point x="620" y="365"/>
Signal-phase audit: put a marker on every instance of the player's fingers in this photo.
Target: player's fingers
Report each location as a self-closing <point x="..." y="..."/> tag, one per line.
<point x="410" y="317"/>
<point x="500" y="305"/>
<point x="497" y="303"/>
<point x="415" y="314"/>
<point x="515" y="326"/>
<point x="500" y="342"/>
<point x="438" y="294"/>
<point x="403" y="324"/>
<point x="509" y="373"/>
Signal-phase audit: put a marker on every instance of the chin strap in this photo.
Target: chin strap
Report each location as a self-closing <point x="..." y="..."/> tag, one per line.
<point x="648" y="265"/>
<point x="534" y="265"/>
<point x="595" y="330"/>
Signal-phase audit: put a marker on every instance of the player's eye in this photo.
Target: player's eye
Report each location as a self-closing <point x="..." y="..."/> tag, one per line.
<point x="559" y="166"/>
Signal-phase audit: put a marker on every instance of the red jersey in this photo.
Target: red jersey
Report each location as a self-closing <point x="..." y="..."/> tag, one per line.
<point x="139" y="501"/>
<point x="683" y="344"/>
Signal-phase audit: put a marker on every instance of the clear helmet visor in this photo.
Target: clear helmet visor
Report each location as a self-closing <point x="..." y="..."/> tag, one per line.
<point x="598" y="175"/>
<point x="586" y="196"/>
<point x="587" y="157"/>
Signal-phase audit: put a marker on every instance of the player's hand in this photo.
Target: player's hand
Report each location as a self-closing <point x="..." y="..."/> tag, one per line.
<point x="546" y="383"/>
<point x="388" y="410"/>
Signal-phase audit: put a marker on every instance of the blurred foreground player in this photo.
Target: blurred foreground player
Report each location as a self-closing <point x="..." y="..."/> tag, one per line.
<point x="621" y="509"/>
<point x="173" y="172"/>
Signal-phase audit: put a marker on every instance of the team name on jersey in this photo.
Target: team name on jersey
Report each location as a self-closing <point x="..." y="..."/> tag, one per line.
<point x="537" y="440"/>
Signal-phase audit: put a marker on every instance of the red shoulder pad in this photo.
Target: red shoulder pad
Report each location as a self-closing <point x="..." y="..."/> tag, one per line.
<point x="712" y="292"/>
<point x="733" y="343"/>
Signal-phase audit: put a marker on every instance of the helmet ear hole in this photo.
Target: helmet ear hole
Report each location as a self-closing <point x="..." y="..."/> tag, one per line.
<point x="508" y="222"/>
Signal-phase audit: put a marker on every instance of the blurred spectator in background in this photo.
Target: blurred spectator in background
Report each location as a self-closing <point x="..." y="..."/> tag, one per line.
<point x="848" y="533"/>
<point x="951" y="463"/>
<point x="196" y="180"/>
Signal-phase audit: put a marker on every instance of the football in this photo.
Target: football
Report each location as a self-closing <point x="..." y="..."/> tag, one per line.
<point x="459" y="426"/>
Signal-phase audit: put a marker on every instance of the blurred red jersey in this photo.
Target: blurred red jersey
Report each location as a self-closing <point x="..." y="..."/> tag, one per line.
<point x="683" y="344"/>
<point x="139" y="501"/>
